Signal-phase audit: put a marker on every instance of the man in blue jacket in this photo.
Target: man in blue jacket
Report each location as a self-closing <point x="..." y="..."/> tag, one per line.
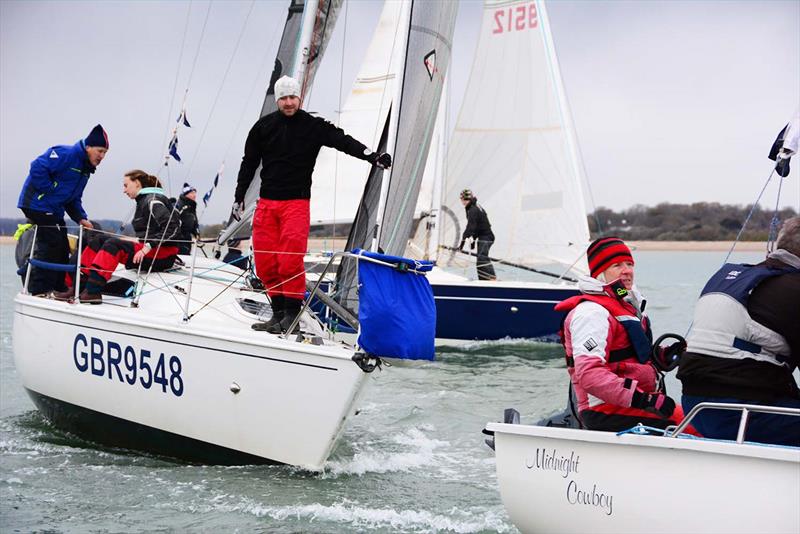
<point x="54" y="186"/>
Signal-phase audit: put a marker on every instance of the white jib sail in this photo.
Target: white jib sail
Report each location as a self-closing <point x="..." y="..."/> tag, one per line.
<point x="339" y="179"/>
<point x="513" y="144"/>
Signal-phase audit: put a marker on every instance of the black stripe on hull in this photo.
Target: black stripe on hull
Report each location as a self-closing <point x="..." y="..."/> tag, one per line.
<point x="115" y="432"/>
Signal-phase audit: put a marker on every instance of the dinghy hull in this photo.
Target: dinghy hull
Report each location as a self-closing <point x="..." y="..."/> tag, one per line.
<point x="563" y="480"/>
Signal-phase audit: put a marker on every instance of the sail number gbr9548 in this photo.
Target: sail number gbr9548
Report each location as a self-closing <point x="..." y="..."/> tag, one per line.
<point x="127" y="364"/>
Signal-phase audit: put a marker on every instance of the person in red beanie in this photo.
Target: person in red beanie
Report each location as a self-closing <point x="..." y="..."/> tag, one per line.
<point x="54" y="186"/>
<point x="608" y="343"/>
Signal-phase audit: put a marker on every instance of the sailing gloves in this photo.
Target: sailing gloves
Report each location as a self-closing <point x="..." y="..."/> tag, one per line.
<point x="237" y="211"/>
<point x="657" y="403"/>
<point x="380" y="159"/>
<point x="471" y="244"/>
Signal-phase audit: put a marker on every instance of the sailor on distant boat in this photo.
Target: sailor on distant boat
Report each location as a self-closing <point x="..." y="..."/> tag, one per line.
<point x="55" y="185"/>
<point x="286" y="144"/>
<point x="156" y="225"/>
<point x="744" y="345"/>
<point x="480" y="230"/>
<point x="186" y="207"/>
<point x="608" y="344"/>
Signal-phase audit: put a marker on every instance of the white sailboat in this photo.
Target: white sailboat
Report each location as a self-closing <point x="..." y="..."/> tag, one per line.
<point x="564" y="480"/>
<point x="182" y="373"/>
<point x="514" y="146"/>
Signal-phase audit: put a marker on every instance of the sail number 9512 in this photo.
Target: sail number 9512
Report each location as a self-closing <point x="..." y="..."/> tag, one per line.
<point x="127" y="364"/>
<point x="515" y="18"/>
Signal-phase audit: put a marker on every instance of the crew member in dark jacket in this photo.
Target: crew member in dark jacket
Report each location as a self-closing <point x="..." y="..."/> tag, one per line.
<point x="55" y="185"/>
<point x="156" y="225"/>
<point x="480" y="230"/>
<point x="744" y="345"/>
<point x="286" y="144"/>
<point x="186" y="206"/>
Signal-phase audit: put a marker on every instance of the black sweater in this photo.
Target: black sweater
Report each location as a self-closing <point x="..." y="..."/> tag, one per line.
<point x="478" y="225"/>
<point x="287" y="149"/>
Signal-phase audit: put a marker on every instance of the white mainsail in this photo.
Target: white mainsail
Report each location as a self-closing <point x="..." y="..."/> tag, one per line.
<point x="339" y="179"/>
<point x="513" y="143"/>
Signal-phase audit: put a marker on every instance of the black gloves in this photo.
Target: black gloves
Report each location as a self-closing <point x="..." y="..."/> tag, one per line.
<point x="472" y="244"/>
<point x="380" y="159"/>
<point x="237" y="210"/>
<point x="461" y="245"/>
<point x="657" y="403"/>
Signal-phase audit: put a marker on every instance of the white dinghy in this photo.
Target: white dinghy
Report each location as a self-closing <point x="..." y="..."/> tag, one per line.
<point x="566" y="480"/>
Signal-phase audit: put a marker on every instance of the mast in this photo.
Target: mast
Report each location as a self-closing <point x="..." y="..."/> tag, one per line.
<point x="304" y="47"/>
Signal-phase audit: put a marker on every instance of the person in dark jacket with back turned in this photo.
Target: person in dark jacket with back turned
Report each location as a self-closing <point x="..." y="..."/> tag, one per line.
<point x="55" y="185"/>
<point x="156" y="225"/>
<point x="286" y="144"/>
<point x="744" y="344"/>
<point x="480" y="230"/>
<point x="186" y="206"/>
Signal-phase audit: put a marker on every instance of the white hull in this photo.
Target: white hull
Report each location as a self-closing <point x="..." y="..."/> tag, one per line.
<point x="293" y="400"/>
<point x="600" y="482"/>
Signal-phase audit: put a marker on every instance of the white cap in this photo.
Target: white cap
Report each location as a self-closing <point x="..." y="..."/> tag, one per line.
<point x="286" y="86"/>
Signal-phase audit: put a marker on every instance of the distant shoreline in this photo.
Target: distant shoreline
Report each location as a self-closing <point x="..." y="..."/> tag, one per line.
<point x="683" y="246"/>
<point x="707" y="246"/>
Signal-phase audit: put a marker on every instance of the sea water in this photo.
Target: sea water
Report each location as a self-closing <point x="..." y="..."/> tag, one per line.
<point x="412" y="460"/>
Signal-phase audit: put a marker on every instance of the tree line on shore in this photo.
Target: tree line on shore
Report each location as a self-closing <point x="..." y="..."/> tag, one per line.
<point x="701" y="221"/>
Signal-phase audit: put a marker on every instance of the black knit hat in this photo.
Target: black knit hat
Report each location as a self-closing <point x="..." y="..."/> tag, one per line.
<point x="97" y="137"/>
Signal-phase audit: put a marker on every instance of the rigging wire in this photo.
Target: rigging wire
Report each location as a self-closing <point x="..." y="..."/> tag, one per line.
<point x="259" y="76"/>
<point x="177" y="76"/>
<point x="219" y="90"/>
<point x="165" y="157"/>
<point x="749" y="215"/>
<point x="339" y="120"/>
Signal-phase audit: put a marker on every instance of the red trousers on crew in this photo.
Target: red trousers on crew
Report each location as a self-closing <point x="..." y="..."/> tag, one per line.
<point x="99" y="259"/>
<point x="280" y="239"/>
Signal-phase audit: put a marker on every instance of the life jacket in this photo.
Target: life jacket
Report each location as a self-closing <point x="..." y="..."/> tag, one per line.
<point x="639" y="340"/>
<point x="722" y="326"/>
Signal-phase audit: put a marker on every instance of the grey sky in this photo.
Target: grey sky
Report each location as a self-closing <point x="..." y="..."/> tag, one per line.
<point x="673" y="101"/>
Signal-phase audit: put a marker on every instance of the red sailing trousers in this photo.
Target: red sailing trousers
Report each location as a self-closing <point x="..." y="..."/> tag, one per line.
<point x="99" y="259"/>
<point x="280" y="239"/>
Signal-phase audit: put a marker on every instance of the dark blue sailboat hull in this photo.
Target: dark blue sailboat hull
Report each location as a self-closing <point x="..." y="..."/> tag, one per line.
<point x="470" y="311"/>
<point x="488" y="311"/>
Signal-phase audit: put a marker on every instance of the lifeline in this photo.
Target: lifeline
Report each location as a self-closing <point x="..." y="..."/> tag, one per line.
<point x="553" y="462"/>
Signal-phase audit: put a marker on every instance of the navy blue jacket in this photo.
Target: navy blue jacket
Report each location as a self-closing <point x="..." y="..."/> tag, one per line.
<point x="56" y="182"/>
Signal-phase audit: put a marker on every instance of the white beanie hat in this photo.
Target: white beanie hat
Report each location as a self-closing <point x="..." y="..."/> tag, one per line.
<point x="286" y="86"/>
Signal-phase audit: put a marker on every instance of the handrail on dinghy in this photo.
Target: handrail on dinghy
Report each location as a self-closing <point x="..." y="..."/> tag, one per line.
<point x="744" y="408"/>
